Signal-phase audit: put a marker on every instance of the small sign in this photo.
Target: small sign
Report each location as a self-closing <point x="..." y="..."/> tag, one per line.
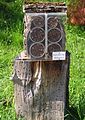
<point x="59" y="55"/>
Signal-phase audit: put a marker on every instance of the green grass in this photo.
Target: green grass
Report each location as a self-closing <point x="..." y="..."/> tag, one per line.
<point x="11" y="44"/>
<point x="76" y="45"/>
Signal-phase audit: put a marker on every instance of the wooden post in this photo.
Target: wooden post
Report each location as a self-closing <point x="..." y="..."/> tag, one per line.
<point x="41" y="88"/>
<point x="41" y="85"/>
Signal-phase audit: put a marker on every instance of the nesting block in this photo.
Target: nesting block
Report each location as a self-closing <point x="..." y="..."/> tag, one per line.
<point x="44" y="32"/>
<point x="41" y="78"/>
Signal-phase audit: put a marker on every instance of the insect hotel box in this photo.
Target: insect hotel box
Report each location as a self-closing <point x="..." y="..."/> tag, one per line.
<point x="44" y="36"/>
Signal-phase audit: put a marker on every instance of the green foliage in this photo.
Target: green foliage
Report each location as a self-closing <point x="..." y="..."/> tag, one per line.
<point x="11" y="43"/>
<point x="75" y="44"/>
<point x="11" y="18"/>
<point x="27" y="1"/>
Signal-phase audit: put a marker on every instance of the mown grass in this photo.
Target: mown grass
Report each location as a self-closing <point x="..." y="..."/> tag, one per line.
<point x="11" y="44"/>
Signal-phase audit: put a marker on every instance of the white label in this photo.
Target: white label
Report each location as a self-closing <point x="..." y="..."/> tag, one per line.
<point x="58" y="55"/>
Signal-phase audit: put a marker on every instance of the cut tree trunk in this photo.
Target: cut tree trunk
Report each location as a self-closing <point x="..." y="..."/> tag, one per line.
<point x="41" y="88"/>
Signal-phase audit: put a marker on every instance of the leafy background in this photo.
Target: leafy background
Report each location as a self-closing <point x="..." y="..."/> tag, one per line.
<point x="11" y="44"/>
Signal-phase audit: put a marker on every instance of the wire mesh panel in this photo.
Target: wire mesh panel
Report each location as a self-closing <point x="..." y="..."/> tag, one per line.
<point x="55" y="34"/>
<point x="44" y="34"/>
<point x="36" y="36"/>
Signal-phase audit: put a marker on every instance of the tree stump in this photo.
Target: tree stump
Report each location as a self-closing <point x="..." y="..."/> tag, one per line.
<point x="41" y="88"/>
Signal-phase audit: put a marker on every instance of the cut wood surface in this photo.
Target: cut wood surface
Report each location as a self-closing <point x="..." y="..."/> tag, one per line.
<point x="41" y="89"/>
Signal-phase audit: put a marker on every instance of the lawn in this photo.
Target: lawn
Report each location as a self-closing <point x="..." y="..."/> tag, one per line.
<point x="11" y="44"/>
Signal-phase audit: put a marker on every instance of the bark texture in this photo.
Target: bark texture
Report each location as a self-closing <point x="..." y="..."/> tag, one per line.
<point x="41" y="88"/>
<point x="40" y="7"/>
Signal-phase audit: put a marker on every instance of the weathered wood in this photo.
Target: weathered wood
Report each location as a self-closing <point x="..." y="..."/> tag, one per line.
<point x="30" y="7"/>
<point x="41" y="88"/>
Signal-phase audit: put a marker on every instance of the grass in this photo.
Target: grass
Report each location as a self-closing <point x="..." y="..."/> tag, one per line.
<point x="75" y="44"/>
<point x="11" y="44"/>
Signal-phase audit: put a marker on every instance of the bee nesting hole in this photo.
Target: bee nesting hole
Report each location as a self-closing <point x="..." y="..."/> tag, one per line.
<point x="53" y="48"/>
<point x="37" y="34"/>
<point x="52" y="22"/>
<point x="38" y="21"/>
<point x="54" y="35"/>
<point x="37" y="50"/>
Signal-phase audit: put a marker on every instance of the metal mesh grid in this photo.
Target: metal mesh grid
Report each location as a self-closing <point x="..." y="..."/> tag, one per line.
<point x="44" y="31"/>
